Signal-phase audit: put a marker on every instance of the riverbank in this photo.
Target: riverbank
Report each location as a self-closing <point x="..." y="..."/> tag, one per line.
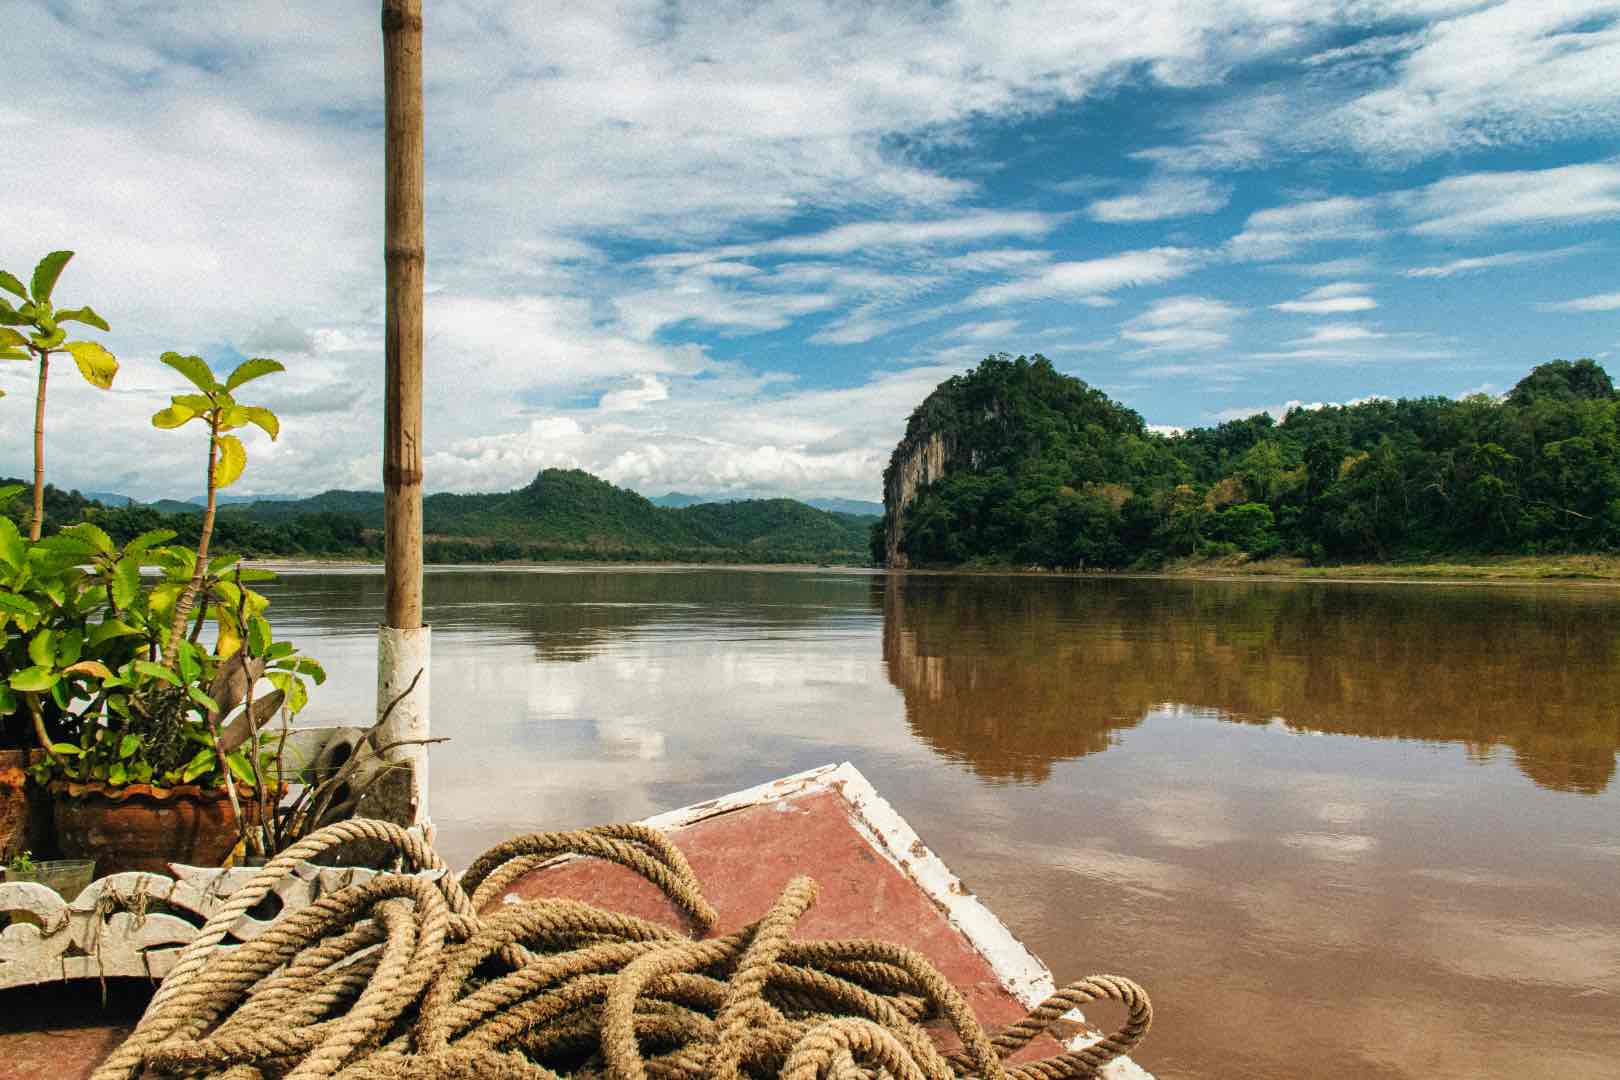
<point x="1593" y="568"/>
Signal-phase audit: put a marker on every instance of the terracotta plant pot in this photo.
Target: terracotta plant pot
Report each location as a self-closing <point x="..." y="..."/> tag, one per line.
<point x="22" y="825"/>
<point x="141" y="827"/>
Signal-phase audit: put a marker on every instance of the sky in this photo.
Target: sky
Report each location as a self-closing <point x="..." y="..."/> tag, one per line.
<point x="726" y="248"/>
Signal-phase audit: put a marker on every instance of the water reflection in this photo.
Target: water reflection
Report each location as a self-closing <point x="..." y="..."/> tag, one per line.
<point x="1013" y="674"/>
<point x="1311" y="835"/>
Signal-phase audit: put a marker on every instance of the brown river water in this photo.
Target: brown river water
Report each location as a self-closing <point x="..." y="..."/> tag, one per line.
<point x="1337" y="830"/>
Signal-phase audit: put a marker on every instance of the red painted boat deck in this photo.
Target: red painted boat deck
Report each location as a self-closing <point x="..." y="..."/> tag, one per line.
<point x="876" y="880"/>
<point x="745" y="857"/>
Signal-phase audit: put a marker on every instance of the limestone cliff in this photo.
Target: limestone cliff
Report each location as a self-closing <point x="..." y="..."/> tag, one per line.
<point x="921" y="458"/>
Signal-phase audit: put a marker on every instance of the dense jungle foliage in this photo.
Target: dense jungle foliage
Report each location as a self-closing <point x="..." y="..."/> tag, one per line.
<point x="561" y="514"/>
<point x="1045" y="471"/>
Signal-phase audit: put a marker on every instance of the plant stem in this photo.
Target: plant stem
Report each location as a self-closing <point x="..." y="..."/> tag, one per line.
<point x="182" y="606"/>
<point x="39" y="445"/>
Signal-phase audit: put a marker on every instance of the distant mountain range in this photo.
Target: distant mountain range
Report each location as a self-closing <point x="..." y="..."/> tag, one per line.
<point x="678" y="499"/>
<point x="572" y="514"/>
<point x="674" y="500"/>
<point x="559" y="515"/>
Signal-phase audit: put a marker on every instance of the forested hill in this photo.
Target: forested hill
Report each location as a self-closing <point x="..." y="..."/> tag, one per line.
<point x="1015" y="463"/>
<point x="561" y="514"/>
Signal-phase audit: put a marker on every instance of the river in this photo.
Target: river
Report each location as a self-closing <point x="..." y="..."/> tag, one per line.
<point x="1337" y="830"/>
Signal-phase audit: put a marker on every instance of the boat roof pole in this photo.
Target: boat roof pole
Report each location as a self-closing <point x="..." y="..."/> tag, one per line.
<point x="403" y="642"/>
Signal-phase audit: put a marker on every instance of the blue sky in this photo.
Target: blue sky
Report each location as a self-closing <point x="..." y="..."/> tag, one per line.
<point x="727" y="248"/>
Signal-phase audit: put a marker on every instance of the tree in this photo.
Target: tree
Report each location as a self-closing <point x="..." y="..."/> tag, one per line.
<point x="46" y="338"/>
<point x="1564" y="381"/>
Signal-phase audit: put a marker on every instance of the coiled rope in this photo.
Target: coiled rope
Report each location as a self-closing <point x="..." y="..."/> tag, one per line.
<point x="399" y="977"/>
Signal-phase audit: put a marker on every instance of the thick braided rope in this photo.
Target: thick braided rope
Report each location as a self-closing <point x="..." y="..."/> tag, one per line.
<point x="398" y="977"/>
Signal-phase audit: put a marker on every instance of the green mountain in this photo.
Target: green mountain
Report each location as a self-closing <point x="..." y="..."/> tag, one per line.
<point x="1015" y="463"/>
<point x="561" y="514"/>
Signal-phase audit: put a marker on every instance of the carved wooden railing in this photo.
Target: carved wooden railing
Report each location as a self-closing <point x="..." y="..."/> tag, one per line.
<point x="135" y="924"/>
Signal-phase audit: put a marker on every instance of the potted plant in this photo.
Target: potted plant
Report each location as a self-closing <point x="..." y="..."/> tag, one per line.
<point x="155" y="744"/>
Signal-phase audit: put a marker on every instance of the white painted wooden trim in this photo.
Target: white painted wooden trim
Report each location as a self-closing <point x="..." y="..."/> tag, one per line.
<point x="892" y="837"/>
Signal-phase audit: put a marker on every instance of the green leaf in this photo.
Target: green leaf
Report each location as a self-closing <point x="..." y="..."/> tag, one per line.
<point x="10" y="337"/>
<point x="10" y="283"/>
<point x="253" y="573"/>
<point x="257" y="414"/>
<point x="20" y="606"/>
<point x="201" y="762"/>
<point x="96" y="364"/>
<point x="66" y="749"/>
<point x="10" y="491"/>
<point x="232" y="460"/>
<point x="67" y="544"/>
<point x="49" y="339"/>
<point x="126" y="580"/>
<point x="258" y="634"/>
<point x="172" y="417"/>
<point x="12" y="354"/>
<point x="190" y="666"/>
<point x="108" y="629"/>
<point x="202" y="699"/>
<point x="197" y="403"/>
<point x="12" y="552"/>
<point x="248" y="370"/>
<point x="306" y="665"/>
<point x="93" y="535"/>
<point x="222" y="562"/>
<point x="292" y="686"/>
<point x="239" y="765"/>
<point x="117" y="774"/>
<point x="34" y="679"/>
<point x="84" y="315"/>
<point x="69" y="647"/>
<point x="8" y="700"/>
<point x="46" y="273"/>
<point x="148" y="540"/>
<point x="128" y="745"/>
<point x="194" y="368"/>
<point x="157" y="671"/>
<point x="40" y="649"/>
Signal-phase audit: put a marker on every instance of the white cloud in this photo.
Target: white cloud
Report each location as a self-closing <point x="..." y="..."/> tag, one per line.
<point x="1091" y="278"/>
<point x="1477" y="201"/>
<point x="1503" y="74"/>
<point x="1213" y="151"/>
<point x="993" y="260"/>
<point x="648" y="389"/>
<point x="1161" y="198"/>
<point x="1357" y="264"/>
<point x="880" y="235"/>
<point x="1337" y="334"/>
<point x="1335" y="299"/>
<point x="1476" y="263"/>
<point x="713" y="435"/>
<point x="993" y="330"/>
<point x="1181" y="323"/>
<point x="1281" y="231"/>
<point x="1597" y="302"/>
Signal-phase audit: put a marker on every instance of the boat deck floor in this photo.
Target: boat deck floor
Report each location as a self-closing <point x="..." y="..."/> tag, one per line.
<point x="744" y="849"/>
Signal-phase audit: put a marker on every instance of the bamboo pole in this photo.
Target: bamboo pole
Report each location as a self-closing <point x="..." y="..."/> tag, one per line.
<point x="404" y="256"/>
<point x="403" y="642"/>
